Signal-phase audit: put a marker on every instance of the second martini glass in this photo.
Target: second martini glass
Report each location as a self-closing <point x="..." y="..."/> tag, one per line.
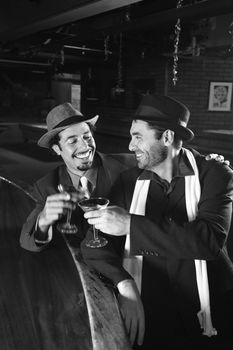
<point x="94" y="203"/>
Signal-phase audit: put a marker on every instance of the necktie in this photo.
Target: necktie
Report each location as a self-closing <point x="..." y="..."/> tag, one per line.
<point x="84" y="186"/>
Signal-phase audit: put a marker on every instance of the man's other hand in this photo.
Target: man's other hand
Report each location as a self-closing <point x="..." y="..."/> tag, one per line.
<point x="113" y="220"/>
<point x="218" y="158"/>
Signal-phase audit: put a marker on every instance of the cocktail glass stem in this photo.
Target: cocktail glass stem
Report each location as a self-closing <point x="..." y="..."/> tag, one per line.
<point x="95" y="234"/>
<point x="68" y="217"/>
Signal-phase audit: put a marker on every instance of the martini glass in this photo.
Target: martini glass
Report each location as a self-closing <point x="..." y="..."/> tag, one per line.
<point x="67" y="227"/>
<point x="94" y="203"/>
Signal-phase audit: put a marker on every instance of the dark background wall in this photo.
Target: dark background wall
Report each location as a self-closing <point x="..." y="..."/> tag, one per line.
<point x="28" y="96"/>
<point x="192" y="88"/>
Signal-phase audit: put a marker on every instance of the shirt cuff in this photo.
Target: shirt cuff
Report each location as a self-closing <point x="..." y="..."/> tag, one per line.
<point x="49" y="237"/>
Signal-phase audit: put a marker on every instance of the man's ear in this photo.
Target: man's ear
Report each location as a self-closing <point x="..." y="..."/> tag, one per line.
<point x="168" y="137"/>
<point x="56" y="149"/>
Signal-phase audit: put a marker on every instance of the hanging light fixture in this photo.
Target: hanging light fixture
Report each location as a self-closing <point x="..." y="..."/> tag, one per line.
<point x="119" y="88"/>
<point x="176" y="45"/>
<point x="230" y="31"/>
<point x="106" y="50"/>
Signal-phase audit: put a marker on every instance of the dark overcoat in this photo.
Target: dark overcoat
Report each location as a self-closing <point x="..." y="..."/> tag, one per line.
<point x="169" y="244"/>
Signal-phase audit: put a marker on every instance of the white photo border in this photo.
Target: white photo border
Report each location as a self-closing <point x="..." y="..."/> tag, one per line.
<point x="215" y="105"/>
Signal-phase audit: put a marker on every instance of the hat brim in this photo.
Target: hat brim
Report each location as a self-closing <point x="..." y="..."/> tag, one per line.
<point x="45" y="139"/>
<point x="185" y="134"/>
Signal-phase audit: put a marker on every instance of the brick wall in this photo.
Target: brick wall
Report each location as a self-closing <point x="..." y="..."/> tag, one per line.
<point x="192" y="88"/>
<point x="194" y="77"/>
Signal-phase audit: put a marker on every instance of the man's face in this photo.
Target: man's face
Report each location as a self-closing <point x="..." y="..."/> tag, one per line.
<point x="220" y="93"/>
<point x="76" y="147"/>
<point x="149" y="151"/>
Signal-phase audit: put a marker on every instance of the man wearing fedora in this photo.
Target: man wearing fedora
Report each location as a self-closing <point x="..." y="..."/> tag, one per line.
<point x="70" y="136"/>
<point x="167" y="229"/>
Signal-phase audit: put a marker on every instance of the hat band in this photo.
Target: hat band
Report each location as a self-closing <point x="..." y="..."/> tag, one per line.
<point x="164" y="121"/>
<point x="70" y="120"/>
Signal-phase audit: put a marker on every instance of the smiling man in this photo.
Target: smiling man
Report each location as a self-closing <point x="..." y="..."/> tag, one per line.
<point x="167" y="232"/>
<point x="70" y="136"/>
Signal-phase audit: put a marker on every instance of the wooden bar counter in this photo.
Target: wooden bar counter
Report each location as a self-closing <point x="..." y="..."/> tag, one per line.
<point x="51" y="300"/>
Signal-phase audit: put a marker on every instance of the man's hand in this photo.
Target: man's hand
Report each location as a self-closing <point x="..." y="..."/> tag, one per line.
<point x="113" y="220"/>
<point x="56" y="205"/>
<point x="132" y="310"/>
<point x="218" y="158"/>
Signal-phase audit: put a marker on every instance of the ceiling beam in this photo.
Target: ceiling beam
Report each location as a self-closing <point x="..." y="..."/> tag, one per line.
<point x="113" y="23"/>
<point x="89" y="9"/>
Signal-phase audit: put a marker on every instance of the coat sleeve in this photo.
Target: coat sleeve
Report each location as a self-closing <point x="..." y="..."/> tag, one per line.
<point x="202" y="238"/>
<point x="27" y="235"/>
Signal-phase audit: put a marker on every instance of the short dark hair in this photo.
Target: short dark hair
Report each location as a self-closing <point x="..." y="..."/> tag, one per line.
<point x="159" y="132"/>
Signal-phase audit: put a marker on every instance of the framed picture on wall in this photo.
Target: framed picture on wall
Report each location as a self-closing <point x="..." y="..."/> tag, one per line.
<point x="220" y="94"/>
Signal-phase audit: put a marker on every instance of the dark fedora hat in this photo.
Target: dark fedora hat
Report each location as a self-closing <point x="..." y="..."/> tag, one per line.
<point x="60" y="118"/>
<point x="165" y="112"/>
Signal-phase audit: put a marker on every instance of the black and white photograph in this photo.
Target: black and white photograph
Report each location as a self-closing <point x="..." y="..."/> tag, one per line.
<point x="220" y="96"/>
<point x="116" y="175"/>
